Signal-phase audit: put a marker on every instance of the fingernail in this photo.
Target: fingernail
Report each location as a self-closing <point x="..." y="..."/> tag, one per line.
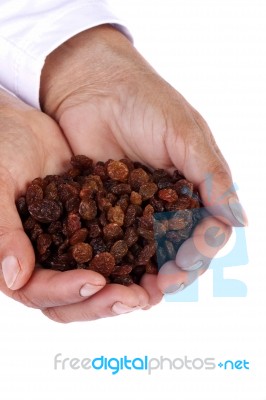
<point x="237" y="211"/>
<point x="120" y="308"/>
<point x="88" y="290"/>
<point x="10" y="269"/>
<point x="193" y="267"/>
<point x="172" y="289"/>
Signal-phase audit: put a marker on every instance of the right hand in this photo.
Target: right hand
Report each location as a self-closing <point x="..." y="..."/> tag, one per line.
<point x="32" y="145"/>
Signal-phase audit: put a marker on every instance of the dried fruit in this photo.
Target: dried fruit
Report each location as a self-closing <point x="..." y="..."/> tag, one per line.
<point x="168" y="195"/>
<point x="118" y="218"/>
<point x="117" y="170"/>
<point x="116" y="214"/>
<point x="119" y="250"/>
<point x="88" y="209"/>
<point x="147" y="190"/>
<point x="103" y="263"/>
<point x="81" y="252"/>
<point x="45" y="211"/>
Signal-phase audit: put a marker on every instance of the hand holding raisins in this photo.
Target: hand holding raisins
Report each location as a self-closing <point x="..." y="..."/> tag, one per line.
<point x="32" y="145"/>
<point x="113" y="104"/>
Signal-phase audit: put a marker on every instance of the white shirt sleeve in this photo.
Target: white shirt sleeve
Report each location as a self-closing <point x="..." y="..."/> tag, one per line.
<point x="32" y="29"/>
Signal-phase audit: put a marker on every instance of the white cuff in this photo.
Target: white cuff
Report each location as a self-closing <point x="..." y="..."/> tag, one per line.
<point x="28" y="37"/>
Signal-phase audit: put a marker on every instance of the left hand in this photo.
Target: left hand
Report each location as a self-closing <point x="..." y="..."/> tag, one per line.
<point x="110" y="103"/>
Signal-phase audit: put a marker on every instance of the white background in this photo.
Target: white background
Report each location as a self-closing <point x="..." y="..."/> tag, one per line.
<point x="213" y="52"/>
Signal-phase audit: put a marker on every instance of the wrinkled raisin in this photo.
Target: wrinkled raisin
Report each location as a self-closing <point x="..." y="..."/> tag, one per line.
<point x="44" y="241"/>
<point x="81" y="252"/>
<point x="119" y="250"/>
<point x="116" y="214"/>
<point x="147" y="190"/>
<point x="137" y="178"/>
<point x="78" y="236"/>
<point x="34" y="194"/>
<point x="81" y="162"/>
<point x="103" y="263"/>
<point x="146" y="253"/>
<point x="45" y="211"/>
<point x="112" y="231"/>
<point x="88" y="209"/>
<point x="117" y="170"/>
<point x="168" y="195"/>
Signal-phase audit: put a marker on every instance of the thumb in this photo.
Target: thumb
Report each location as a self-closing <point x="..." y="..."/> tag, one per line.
<point x="16" y="253"/>
<point x="205" y="166"/>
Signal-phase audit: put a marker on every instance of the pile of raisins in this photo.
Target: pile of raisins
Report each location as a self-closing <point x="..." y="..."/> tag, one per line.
<point x="118" y="218"/>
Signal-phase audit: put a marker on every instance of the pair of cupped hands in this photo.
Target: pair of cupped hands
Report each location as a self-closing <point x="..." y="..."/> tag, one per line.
<point x="100" y="98"/>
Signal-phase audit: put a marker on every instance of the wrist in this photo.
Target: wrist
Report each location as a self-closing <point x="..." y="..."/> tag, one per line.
<point x="84" y="65"/>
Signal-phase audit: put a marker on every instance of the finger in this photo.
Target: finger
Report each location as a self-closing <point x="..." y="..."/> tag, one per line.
<point x="16" y="253"/>
<point x="208" y="238"/>
<point x="47" y="288"/>
<point x="195" y="255"/>
<point x="149" y="283"/>
<point x="204" y="166"/>
<point x="112" y="300"/>
<point x="172" y="279"/>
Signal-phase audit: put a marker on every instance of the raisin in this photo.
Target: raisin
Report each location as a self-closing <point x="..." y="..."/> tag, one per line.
<point x="183" y="187"/>
<point x="135" y="198"/>
<point x="99" y="169"/>
<point x="44" y="241"/>
<point x="116" y="214"/>
<point x="147" y="190"/>
<point x="98" y="245"/>
<point x="36" y="231"/>
<point x="157" y="204"/>
<point x="66" y="191"/>
<point x="81" y="162"/>
<point x="22" y="206"/>
<point x="94" y="229"/>
<point x="72" y="224"/>
<point x="137" y="178"/>
<point x="168" y="195"/>
<point x="180" y="220"/>
<point x="146" y="253"/>
<point x="117" y="170"/>
<point x="78" y="236"/>
<point x="81" y="252"/>
<point x="88" y="209"/>
<point x="130" y="215"/>
<point x="121" y="188"/>
<point x="131" y="236"/>
<point x="29" y="224"/>
<point x="45" y="211"/>
<point x="123" y="269"/>
<point x="51" y="192"/>
<point x="34" y="194"/>
<point x="112" y="231"/>
<point x="123" y="202"/>
<point x="104" y="263"/>
<point x="125" y="280"/>
<point x="119" y="250"/>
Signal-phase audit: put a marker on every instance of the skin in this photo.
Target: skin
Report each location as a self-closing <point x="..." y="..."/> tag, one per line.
<point x="110" y="103"/>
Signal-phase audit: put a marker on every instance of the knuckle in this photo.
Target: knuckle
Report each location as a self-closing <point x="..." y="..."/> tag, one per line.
<point x="22" y="297"/>
<point x="55" y="315"/>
